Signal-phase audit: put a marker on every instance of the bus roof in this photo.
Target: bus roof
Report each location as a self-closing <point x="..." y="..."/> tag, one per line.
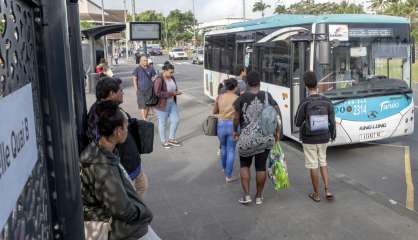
<point x="285" y="20"/>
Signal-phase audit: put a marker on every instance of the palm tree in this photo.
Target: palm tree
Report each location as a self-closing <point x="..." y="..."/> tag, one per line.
<point x="378" y="5"/>
<point x="280" y="9"/>
<point x="260" y="7"/>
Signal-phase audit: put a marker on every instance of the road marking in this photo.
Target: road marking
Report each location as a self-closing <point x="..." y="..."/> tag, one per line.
<point x="408" y="179"/>
<point x="410" y="191"/>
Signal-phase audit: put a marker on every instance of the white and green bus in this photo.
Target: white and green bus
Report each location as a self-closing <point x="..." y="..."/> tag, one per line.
<point x="363" y="64"/>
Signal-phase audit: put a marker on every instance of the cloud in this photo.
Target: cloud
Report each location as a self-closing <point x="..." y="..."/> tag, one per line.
<point x="206" y="10"/>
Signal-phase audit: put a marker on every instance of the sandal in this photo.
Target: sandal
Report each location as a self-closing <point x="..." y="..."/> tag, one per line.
<point x="315" y="197"/>
<point x="329" y="196"/>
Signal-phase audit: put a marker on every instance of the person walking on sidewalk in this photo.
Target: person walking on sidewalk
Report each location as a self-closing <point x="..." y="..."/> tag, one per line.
<point x="109" y="89"/>
<point x="225" y="110"/>
<point x="253" y="144"/>
<point x="143" y="76"/>
<point x="316" y="117"/>
<point x="107" y="192"/>
<point x="166" y="89"/>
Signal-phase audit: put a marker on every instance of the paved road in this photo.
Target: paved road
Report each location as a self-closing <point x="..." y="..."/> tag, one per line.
<point x="190" y="200"/>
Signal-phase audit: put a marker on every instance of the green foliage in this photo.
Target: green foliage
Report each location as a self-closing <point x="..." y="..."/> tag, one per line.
<point x="85" y="25"/>
<point x="402" y="8"/>
<point x="260" y="7"/>
<point x="310" y="7"/>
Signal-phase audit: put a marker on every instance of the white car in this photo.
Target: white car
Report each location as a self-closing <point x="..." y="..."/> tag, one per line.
<point x="177" y="53"/>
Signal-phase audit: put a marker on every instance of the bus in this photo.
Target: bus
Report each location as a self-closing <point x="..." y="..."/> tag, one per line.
<point x="362" y="62"/>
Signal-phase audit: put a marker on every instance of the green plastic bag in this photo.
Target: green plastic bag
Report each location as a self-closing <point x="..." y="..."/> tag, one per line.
<point x="277" y="169"/>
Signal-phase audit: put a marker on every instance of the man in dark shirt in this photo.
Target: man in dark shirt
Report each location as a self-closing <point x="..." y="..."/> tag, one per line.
<point x="316" y="117"/>
<point x="108" y="89"/>
<point x="143" y="77"/>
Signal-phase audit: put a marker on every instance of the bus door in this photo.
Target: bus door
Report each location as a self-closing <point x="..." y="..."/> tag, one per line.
<point x="244" y="53"/>
<point x="299" y="65"/>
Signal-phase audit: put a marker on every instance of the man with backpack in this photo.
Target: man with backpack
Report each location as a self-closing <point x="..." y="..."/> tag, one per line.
<point x="255" y="126"/>
<point x="316" y="117"/>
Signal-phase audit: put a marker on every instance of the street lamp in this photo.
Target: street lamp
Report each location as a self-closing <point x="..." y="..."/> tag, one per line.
<point x="194" y="25"/>
<point x="243" y="9"/>
<point x="104" y="37"/>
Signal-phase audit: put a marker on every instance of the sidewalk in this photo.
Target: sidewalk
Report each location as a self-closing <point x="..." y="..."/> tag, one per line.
<point x="190" y="199"/>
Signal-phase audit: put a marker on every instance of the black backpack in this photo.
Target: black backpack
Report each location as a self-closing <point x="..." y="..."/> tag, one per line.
<point x="317" y="111"/>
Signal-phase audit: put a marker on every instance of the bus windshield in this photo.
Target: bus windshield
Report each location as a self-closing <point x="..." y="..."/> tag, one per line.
<point x="366" y="67"/>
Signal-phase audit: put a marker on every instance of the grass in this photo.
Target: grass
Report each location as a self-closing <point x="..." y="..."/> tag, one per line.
<point x="415" y="72"/>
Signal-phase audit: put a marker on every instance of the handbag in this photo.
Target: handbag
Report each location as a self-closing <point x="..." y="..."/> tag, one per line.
<point x="153" y="99"/>
<point x="142" y="132"/>
<point x="210" y="126"/>
<point x="97" y="230"/>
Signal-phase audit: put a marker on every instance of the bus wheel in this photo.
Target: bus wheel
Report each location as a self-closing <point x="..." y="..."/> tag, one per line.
<point x="280" y="122"/>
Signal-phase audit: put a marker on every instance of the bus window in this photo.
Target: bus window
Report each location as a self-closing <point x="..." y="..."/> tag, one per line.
<point x="274" y="63"/>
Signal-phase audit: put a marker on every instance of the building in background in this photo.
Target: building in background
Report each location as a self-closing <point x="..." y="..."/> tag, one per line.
<point x="218" y="24"/>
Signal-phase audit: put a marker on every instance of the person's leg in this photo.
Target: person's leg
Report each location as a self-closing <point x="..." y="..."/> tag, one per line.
<point x="145" y="113"/>
<point x="230" y="151"/>
<point x="162" y="120"/>
<point x="141" y="184"/>
<point x="322" y="155"/>
<point x="245" y="174"/>
<point x="311" y="163"/>
<point x="261" y="173"/>
<point x="174" y="120"/>
<point x="223" y="144"/>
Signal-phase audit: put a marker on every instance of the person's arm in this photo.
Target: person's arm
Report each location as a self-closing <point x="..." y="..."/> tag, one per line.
<point x="331" y="119"/>
<point x="237" y="117"/>
<point x="216" y="106"/>
<point x="135" y="78"/>
<point x="300" y="115"/>
<point x="110" y="191"/>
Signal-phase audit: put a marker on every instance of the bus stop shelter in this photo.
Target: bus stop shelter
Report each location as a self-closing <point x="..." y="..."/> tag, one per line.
<point x="89" y="51"/>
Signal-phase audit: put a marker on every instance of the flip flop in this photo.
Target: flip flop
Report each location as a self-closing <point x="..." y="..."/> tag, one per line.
<point x="329" y="196"/>
<point x="312" y="196"/>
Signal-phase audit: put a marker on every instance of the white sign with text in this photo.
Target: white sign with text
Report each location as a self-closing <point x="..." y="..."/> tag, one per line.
<point x="18" y="147"/>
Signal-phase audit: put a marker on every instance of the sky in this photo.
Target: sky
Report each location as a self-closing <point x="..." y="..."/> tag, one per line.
<point x="206" y="10"/>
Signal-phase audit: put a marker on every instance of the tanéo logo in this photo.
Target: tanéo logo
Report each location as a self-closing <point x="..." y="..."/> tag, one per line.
<point x="388" y="105"/>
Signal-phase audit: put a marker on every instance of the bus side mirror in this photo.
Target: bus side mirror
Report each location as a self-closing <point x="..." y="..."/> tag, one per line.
<point x="413" y="52"/>
<point x="324" y="52"/>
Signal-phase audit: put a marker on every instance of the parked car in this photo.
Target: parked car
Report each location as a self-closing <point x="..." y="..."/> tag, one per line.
<point x="154" y="49"/>
<point x="177" y="53"/>
<point x="197" y="56"/>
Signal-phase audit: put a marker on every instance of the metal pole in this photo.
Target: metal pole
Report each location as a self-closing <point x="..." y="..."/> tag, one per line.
<point x="194" y="25"/>
<point x="57" y="95"/>
<point x="243" y="9"/>
<point x="104" y="38"/>
<point x="133" y="11"/>
<point x="166" y="32"/>
<point x="126" y="31"/>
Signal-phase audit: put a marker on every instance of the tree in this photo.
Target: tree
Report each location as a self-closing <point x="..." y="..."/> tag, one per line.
<point x="180" y="26"/>
<point x="280" y="9"/>
<point x="260" y="7"/>
<point x="84" y="24"/>
<point x="378" y="5"/>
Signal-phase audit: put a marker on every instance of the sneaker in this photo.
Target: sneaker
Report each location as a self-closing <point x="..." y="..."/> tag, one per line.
<point x="174" y="143"/>
<point x="166" y="145"/>
<point x="245" y="200"/>
<point x="259" y="200"/>
<point x="231" y="179"/>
